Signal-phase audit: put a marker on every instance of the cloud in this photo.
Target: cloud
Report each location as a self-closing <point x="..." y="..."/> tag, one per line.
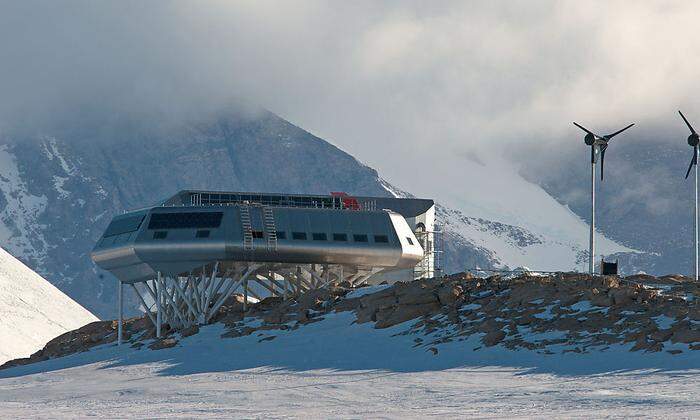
<point x="398" y="84"/>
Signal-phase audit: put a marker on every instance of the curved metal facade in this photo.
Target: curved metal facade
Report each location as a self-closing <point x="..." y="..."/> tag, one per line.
<point x="176" y="240"/>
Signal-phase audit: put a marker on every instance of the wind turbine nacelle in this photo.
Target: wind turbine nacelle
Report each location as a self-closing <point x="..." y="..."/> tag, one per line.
<point x="693" y="139"/>
<point x="590" y="139"/>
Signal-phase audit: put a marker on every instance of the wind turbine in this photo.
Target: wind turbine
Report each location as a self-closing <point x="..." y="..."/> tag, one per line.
<point x="693" y="140"/>
<point x="598" y="146"/>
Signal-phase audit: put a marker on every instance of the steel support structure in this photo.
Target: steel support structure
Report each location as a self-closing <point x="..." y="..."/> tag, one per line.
<point x="432" y="242"/>
<point x="120" y="292"/>
<point x="196" y="297"/>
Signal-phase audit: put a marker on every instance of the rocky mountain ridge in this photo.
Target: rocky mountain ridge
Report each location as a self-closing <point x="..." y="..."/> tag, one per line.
<point x="60" y="186"/>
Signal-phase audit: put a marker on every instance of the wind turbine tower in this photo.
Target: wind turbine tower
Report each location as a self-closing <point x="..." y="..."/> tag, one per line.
<point x="598" y="146"/>
<point x="694" y="140"/>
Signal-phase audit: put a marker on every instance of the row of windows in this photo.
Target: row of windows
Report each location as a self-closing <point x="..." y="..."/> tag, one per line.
<point x="162" y="234"/>
<point x="321" y="236"/>
<point x="189" y="220"/>
<point x="298" y="236"/>
<point x="273" y="200"/>
<point x="336" y="237"/>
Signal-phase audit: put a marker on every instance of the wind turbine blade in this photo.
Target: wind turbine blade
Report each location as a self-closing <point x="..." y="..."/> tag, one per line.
<point x="609" y="136"/>
<point x="602" y="160"/>
<point x="585" y="129"/>
<point x="693" y="161"/>
<point x="592" y="154"/>
<point x="692" y="130"/>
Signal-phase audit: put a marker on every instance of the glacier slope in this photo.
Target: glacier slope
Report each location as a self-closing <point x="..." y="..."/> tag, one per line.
<point x="490" y="205"/>
<point x="32" y="310"/>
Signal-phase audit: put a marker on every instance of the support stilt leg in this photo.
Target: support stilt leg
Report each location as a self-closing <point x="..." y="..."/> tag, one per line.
<point x="159" y="303"/>
<point x="121" y="312"/>
<point x="245" y="295"/>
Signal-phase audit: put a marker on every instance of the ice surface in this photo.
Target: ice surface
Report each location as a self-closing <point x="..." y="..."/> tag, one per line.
<point x="335" y="368"/>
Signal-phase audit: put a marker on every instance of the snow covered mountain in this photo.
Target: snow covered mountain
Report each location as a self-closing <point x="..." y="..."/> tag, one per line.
<point x="644" y="202"/>
<point x="60" y="186"/>
<point x="32" y="310"/>
<point x="517" y="221"/>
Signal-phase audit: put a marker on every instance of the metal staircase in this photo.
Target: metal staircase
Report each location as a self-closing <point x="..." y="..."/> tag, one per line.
<point x="270" y="228"/>
<point x="247" y="228"/>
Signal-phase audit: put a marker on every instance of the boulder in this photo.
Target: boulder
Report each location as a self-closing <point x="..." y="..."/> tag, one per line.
<point x="600" y="299"/>
<point x="661" y="335"/>
<point x="164" y="343"/>
<point x="190" y="331"/>
<point x="378" y="300"/>
<point x="449" y="294"/>
<point x="403" y="313"/>
<point x="492" y="338"/>
<point x="416" y="297"/>
<point x="685" y="335"/>
<point x="623" y="296"/>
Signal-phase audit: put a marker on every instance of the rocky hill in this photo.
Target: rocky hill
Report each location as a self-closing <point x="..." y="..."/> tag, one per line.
<point x="549" y="315"/>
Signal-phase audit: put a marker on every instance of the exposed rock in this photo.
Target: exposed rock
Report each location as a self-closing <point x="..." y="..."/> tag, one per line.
<point x="449" y="294"/>
<point x="624" y="296"/>
<point x="685" y="335"/>
<point x="164" y="343"/>
<point x="493" y="337"/>
<point x="403" y="313"/>
<point x="600" y="299"/>
<point x="526" y="312"/>
<point x="190" y="331"/>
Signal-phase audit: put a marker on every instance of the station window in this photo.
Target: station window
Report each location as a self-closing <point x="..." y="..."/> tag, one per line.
<point x="125" y="225"/>
<point x="299" y="236"/>
<point x="257" y="234"/>
<point x="202" y="234"/>
<point x="410" y="241"/>
<point x="341" y="237"/>
<point x="281" y="234"/>
<point x="382" y="239"/>
<point x="160" y="234"/>
<point x="188" y="220"/>
<point x="359" y="238"/>
<point x="319" y="236"/>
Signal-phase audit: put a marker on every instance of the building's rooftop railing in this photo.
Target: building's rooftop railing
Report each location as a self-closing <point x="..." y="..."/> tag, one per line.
<point x="337" y="202"/>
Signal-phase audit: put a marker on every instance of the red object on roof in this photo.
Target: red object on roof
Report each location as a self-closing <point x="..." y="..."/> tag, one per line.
<point x="349" y="202"/>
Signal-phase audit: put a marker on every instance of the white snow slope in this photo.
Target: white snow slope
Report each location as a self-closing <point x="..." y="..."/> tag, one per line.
<point x="32" y="310"/>
<point x="334" y="368"/>
<point x="491" y="206"/>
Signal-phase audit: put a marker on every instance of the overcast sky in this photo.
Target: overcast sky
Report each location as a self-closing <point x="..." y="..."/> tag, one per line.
<point x="397" y="84"/>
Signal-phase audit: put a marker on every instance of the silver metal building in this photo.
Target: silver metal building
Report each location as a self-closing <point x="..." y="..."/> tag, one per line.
<point x="188" y="254"/>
